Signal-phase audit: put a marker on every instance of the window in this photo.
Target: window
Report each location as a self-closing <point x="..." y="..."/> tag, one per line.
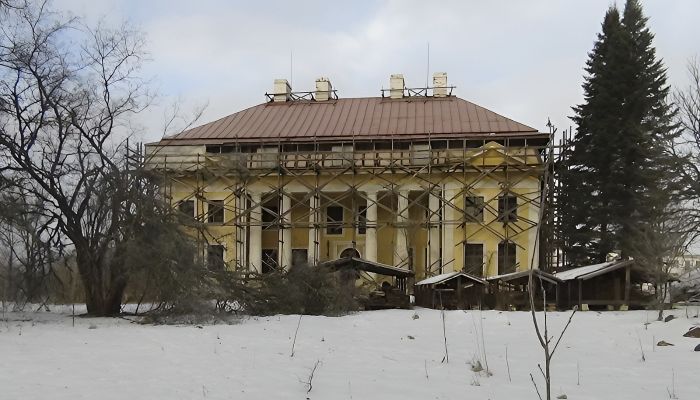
<point x="334" y="220"/>
<point x="270" y="217"/>
<point x="506" y="257"/>
<point x="215" y="257"/>
<point x="299" y="257"/>
<point x="213" y="149"/>
<point x="186" y="207"/>
<point x="362" y="220"/>
<point x="474" y="208"/>
<point x="269" y="260"/>
<point x="216" y="149"/>
<point x="474" y="259"/>
<point x="508" y="208"/>
<point x="216" y="211"/>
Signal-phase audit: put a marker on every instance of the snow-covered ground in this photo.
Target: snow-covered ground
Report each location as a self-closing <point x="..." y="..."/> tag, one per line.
<point x="369" y="355"/>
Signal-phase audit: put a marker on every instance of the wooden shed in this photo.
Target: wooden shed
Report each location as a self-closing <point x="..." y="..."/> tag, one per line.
<point x="393" y="294"/>
<point x="453" y="290"/>
<point x="511" y="290"/>
<point x="610" y="284"/>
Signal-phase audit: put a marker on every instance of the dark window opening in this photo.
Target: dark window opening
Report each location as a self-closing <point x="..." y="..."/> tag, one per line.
<point x="456" y="144"/>
<point x="186" y="207"/>
<point x="215" y="257"/>
<point x="438" y="144"/>
<point x="506" y="257"/>
<point x="216" y="211"/>
<point x="474" y="208"/>
<point x="507" y="208"/>
<point x="364" y="146"/>
<point x="382" y="146"/>
<point x="362" y="220"/>
<point x="270" y="217"/>
<point x="334" y="220"/>
<point x="474" y="259"/>
<point x="269" y="260"/>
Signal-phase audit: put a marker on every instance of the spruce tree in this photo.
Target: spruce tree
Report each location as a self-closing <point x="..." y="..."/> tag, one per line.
<point x="617" y="170"/>
<point x="587" y="208"/>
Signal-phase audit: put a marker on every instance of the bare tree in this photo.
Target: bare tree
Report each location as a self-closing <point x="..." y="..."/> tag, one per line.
<point x="687" y="149"/>
<point x="66" y="94"/>
<point x="28" y="259"/>
<point x="657" y="244"/>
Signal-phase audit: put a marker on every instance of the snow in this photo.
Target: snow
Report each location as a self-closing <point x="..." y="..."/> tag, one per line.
<point x="581" y="271"/>
<point x="438" y="278"/>
<point x="444" y="277"/>
<point x="366" y="355"/>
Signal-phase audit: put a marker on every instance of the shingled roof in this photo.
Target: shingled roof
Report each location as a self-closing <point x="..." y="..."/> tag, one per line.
<point x="364" y="118"/>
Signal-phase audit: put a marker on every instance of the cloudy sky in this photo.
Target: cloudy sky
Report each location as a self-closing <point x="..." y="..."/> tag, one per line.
<point x="523" y="59"/>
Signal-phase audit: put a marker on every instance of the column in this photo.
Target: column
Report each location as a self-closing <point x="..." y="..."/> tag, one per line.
<point x="432" y="263"/>
<point x="448" y="231"/>
<point x="285" y="232"/>
<point x="371" y="232"/>
<point x="255" y="244"/>
<point x="313" y="229"/>
<point x="241" y="236"/>
<point x="401" y="250"/>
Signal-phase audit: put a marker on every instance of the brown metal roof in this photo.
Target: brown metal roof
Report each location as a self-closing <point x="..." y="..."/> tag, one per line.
<point x="360" y="118"/>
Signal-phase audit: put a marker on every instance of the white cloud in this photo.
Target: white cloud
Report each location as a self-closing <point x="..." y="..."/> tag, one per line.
<point x="523" y="59"/>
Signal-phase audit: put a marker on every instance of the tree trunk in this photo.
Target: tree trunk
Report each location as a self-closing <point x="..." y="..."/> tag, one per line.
<point x="104" y="284"/>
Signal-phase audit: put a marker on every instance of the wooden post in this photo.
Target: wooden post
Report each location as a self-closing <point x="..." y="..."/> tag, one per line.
<point x="627" y="285"/>
<point x="460" y="301"/>
<point x="580" y="293"/>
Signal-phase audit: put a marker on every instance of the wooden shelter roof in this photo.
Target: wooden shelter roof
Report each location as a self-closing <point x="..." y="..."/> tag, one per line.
<point x="525" y="275"/>
<point x="369" y="266"/>
<point x="591" y="271"/>
<point x="442" y="278"/>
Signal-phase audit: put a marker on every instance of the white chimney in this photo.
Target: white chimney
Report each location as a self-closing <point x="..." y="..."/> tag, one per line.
<point x="396" y="86"/>
<point x="323" y="89"/>
<point x="440" y="84"/>
<point x="282" y="91"/>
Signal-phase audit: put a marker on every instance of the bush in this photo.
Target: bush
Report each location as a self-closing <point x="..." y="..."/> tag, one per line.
<point x="301" y="290"/>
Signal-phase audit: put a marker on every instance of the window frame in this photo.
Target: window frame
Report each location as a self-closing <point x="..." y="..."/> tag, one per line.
<point x="502" y="257"/>
<point x="467" y="268"/>
<point x="334" y="228"/>
<point x="219" y="264"/>
<point x="477" y="206"/>
<point x="361" y="222"/>
<point x="506" y="212"/>
<point x="214" y="210"/>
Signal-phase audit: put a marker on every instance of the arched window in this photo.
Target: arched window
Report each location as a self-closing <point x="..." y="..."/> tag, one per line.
<point x="506" y="257"/>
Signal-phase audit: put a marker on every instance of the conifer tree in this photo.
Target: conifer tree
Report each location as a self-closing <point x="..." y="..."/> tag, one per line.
<point x="618" y="170"/>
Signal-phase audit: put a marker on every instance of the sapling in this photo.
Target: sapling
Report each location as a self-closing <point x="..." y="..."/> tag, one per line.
<point x="640" y="346"/>
<point x="672" y="391"/>
<point x="508" y="365"/>
<point x="544" y="339"/>
<point x="446" y="357"/>
<point x="543" y="336"/>
<point x="310" y="379"/>
<point x="295" y="335"/>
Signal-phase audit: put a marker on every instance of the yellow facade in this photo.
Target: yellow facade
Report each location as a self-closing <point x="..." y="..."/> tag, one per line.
<point x="489" y="171"/>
